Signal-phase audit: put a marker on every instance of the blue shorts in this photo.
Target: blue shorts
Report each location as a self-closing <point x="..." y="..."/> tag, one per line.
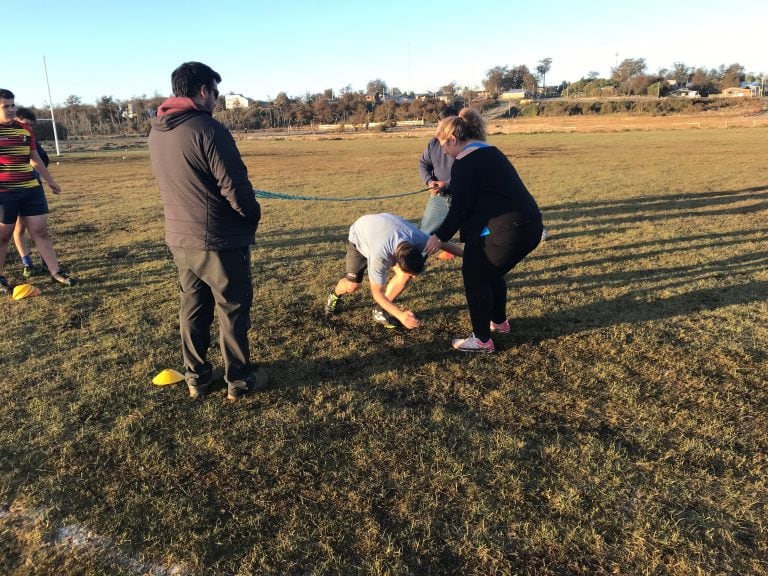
<point x="26" y="202"/>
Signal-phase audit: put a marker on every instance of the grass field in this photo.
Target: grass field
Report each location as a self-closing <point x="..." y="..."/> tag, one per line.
<point x="620" y="429"/>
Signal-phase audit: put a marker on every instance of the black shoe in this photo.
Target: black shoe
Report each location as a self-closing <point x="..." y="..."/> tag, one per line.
<point x="199" y="380"/>
<point x="62" y="278"/>
<point x="200" y="388"/>
<point x="5" y="288"/>
<point x="256" y="381"/>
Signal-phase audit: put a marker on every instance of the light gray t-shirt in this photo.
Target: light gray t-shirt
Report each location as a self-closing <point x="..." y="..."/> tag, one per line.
<point x="376" y="237"/>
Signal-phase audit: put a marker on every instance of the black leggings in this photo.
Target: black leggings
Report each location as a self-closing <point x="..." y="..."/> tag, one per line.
<point x="483" y="268"/>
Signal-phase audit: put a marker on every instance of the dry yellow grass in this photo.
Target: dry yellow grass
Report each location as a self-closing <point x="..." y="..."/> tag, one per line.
<point x="621" y="428"/>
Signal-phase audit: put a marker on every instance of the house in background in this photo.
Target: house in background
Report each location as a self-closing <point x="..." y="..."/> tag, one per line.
<point x="685" y="93"/>
<point x="756" y="88"/>
<point x="445" y="98"/>
<point x="235" y="101"/>
<point x="516" y="94"/>
<point x="735" y="92"/>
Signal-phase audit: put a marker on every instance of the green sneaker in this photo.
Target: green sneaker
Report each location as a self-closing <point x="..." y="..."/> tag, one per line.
<point x="332" y="304"/>
<point x="381" y="317"/>
<point x="31" y="270"/>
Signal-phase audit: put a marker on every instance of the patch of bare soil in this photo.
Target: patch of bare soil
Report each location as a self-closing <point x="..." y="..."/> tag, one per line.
<point x="617" y="123"/>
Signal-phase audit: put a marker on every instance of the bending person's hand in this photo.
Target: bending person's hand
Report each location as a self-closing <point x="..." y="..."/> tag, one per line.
<point x="433" y="245"/>
<point x="408" y="319"/>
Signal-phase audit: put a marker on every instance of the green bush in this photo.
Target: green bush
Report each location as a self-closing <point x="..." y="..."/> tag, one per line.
<point x="44" y="131"/>
<point x="647" y="106"/>
<point x="595" y="107"/>
<point x="574" y="109"/>
<point x="559" y="108"/>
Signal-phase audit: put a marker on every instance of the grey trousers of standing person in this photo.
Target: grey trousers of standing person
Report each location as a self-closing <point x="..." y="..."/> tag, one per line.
<point x="215" y="280"/>
<point x="435" y="212"/>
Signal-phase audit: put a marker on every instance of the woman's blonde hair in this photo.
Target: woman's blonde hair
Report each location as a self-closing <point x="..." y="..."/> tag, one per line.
<point x="468" y="125"/>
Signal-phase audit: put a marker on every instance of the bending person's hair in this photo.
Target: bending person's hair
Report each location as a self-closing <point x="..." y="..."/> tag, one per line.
<point x="447" y="112"/>
<point x="409" y="258"/>
<point x="468" y="125"/>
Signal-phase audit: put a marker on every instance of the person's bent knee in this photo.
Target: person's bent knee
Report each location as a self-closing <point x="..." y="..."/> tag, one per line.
<point x="349" y="283"/>
<point x="353" y="277"/>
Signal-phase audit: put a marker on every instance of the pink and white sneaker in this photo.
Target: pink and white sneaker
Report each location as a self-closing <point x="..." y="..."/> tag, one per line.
<point x="472" y="344"/>
<point x="502" y="328"/>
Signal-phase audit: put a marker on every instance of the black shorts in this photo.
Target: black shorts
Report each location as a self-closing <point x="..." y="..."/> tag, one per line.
<point x="25" y="202"/>
<point x="355" y="265"/>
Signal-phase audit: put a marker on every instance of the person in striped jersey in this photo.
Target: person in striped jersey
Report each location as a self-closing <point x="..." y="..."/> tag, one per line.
<point x="21" y="194"/>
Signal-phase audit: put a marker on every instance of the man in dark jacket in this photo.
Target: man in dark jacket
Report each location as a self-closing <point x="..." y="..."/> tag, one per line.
<point x="211" y="215"/>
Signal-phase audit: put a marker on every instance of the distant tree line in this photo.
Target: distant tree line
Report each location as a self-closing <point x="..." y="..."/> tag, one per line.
<point x="630" y="77"/>
<point x="380" y="104"/>
<point x="640" y="106"/>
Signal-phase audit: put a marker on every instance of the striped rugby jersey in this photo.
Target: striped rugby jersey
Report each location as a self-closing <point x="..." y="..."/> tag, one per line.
<point x="15" y="170"/>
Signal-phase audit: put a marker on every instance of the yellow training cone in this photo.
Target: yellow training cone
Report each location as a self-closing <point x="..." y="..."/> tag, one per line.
<point x="25" y="291"/>
<point x="166" y="377"/>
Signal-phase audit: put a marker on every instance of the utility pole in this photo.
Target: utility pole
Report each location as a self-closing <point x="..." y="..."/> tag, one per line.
<point x="50" y="104"/>
<point x="409" y="69"/>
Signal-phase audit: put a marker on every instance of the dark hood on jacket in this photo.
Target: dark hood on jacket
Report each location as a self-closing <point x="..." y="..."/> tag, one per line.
<point x="177" y="110"/>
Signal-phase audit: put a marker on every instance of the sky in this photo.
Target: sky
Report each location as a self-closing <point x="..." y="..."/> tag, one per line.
<point x="261" y="48"/>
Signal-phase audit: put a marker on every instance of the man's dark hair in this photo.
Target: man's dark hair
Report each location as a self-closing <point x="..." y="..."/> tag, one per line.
<point x="448" y="111"/>
<point x="188" y="78"/>
<point x="23" y="113"/>
<point x="409" y="258"/>
<point x="6" y="94"/>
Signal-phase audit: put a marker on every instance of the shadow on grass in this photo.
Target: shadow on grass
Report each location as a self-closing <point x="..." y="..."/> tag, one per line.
<point x="665" y="276"/>
<point x="638" y="305"/>
<point x="635" y="308"/>
<point x="662" y="203"/>
<point x="714" y="240"/>
<point x="613" y="217"/>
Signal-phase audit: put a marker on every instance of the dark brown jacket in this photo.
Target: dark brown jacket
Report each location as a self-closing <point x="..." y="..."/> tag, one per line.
<point x="208" y="201"/>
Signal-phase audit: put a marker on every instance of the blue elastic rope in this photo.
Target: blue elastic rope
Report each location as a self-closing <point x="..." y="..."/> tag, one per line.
<point x="282" y="196"/>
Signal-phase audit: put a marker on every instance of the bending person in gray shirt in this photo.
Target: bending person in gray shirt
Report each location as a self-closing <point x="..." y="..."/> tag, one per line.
<point x="380" y="242"/>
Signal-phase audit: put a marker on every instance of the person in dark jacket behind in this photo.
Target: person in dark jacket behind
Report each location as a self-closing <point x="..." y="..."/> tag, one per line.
<point x="499" y="220"/>
<point x="435" y="171"/>
<point x="211" y="216"/>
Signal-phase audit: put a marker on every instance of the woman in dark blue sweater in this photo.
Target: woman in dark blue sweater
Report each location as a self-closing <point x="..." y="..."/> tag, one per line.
<point x="498" y="220"/>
